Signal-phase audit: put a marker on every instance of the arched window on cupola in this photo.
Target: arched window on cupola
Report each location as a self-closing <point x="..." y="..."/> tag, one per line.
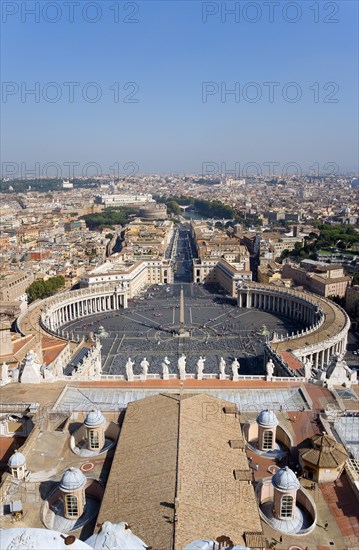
<point x="286" y="506"/>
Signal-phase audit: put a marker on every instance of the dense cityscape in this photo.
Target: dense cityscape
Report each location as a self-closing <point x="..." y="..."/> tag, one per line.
<point x="179" y="314"/>
<point x="115" y="291"/>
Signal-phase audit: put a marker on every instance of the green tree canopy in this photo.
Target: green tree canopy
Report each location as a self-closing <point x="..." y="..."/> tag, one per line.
<point x="40" y="288"/>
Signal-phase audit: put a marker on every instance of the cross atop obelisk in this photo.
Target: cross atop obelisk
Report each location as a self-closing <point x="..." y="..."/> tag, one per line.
<point x="182" y="329"/>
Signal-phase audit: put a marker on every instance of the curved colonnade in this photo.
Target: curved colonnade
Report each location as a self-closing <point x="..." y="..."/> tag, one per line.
<point x="75" y="304"/>
<point x="326" y="323"/>
<point x="325" y="331"/>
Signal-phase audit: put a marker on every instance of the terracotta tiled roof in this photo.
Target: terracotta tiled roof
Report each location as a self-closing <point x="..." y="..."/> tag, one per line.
<point x="325" y="452"/>
<point x="172" y="473"/>
<point x="18" y="344"/>
<point x="291" y="361"/>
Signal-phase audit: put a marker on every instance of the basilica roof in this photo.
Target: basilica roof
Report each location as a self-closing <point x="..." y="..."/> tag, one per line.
<point x="167" y="440"/>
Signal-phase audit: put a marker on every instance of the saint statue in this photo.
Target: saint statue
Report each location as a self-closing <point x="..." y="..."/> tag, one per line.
<point x="129" y="369"/>
<point x="144" y="366"/>
<point x="58" y="368"/>
<point x="165" y="372"/>
<point x="5" y="372"/>
<point x="222" y="368"/>
<point x="308" y="365"/>
<point x="200" y="367"/>
<point x="235" y="366"/>
<point x="353" y="376"/>
<point x="182" y="366"/>
<point x="98" y="367"/>
<point x="270" y="368"/>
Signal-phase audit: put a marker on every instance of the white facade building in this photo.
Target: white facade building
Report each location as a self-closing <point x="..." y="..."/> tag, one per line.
<point x="123" y="200"/>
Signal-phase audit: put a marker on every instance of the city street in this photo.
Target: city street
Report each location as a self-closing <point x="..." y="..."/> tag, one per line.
<point x="184" y="255"/>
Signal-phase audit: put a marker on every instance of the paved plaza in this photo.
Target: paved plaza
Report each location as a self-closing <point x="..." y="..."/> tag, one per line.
<point x="149" y="327"/>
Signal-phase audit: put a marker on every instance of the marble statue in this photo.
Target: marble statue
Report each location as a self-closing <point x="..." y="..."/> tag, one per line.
<point x="129" y="369"/>
<point x="15" y="375"/>
<point x="339" y="374"/>
<point x="321" y="375"/>
<point x="165" y="372"/>
<point x="222" y="369"/>
<point x="144" y="366"/>
<point x="235" y="366"/>
<point x="308" y="365"/>
<point x="182" y="366"/>
<point x="47" y="374"/>
<point x="98" y="367"/>
<point x="353" y="376"/>
<point x="58" y="368"/>
<point x="270" y="368"/>
<point x="200" y="367"/>
<point x="5" y="372"/>
<point x="31" y="369"/>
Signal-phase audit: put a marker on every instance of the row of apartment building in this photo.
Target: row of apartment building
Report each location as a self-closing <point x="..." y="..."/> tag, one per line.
<point x="142" y="260"/>
<point x="220" y="258"/>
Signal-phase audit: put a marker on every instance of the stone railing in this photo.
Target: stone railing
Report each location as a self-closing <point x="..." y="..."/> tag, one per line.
<point x="300" y="333"/>
<point x="193" y="376"/>
<point x="72" y="295"/>
<point x="25" y="313"/>
<point x="307" y="297"/>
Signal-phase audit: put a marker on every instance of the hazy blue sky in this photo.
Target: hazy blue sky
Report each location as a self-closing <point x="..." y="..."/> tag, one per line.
<point x="169" y="50"/>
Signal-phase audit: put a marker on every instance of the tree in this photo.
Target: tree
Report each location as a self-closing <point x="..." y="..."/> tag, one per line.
<point x="109" y="218"/>
<point x="173" y="207"/>
<point x="340" y="300"/>
<point x="284" y="254"/>
<point x="42" y="289"/>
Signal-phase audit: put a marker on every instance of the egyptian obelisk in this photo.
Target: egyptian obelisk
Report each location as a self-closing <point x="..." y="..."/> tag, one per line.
<point x="181" y="330"/>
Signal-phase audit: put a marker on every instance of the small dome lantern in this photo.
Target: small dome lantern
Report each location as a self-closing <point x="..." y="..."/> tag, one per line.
<point x="285" y="485"/>
<point x="95" y="430"/>
<point x="17" y="465"/>
<point x="72" y="485"/>
<point x="267" y="426"/>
